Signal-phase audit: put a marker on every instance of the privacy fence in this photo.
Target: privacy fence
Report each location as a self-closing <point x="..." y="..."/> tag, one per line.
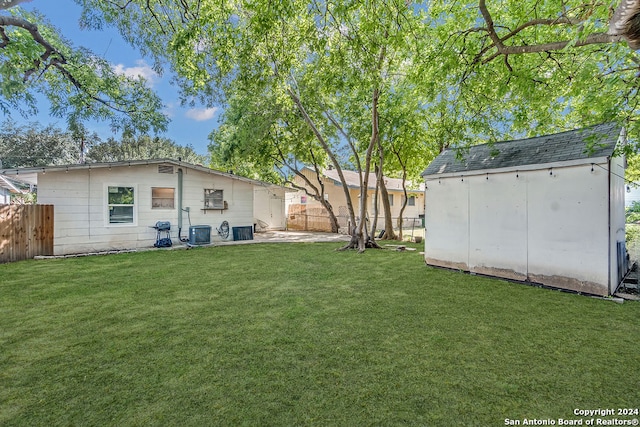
<point x="305" y="218"/>
<point x="26" y="231"/>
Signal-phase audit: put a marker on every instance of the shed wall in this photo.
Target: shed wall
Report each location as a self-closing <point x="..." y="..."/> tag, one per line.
<point x="548" y="226"/>
<point x="498" y="225"/>
<point x="617" y="219"/>
<point x="447" y="223"/>
<point x="568" y="232"/>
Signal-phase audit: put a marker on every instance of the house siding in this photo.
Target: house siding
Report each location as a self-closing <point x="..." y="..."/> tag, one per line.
<point x="269" y="207"/>
<point x="79" y="197"/>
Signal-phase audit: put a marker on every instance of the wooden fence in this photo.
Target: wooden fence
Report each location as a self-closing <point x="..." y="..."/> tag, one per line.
<point x="302" y="218"/>
<point x="25" y="231"/>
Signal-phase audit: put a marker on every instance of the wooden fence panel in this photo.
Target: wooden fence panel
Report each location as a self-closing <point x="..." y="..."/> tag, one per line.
<point x="305" y="218"/>
<point x="25" y="231"/>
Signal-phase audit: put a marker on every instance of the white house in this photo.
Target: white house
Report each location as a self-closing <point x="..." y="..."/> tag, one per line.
<point x="106" y="206"/>
<point x="547" y="210"/>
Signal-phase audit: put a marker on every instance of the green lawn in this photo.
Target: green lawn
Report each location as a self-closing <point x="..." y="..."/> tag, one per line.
<point x="299" y="334"/>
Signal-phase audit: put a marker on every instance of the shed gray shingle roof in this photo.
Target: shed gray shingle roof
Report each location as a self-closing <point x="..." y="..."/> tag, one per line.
<point x="565" y="146"/>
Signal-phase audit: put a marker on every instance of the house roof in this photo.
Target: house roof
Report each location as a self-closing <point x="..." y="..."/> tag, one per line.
<point x="11" y="184"/>
<point x="561" y="147"/>
<point x="30" y="174"/>
<point x="352" y="179"/>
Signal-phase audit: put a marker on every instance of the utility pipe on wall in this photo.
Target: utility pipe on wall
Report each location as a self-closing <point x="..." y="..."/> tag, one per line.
<point x="179" y="200"/>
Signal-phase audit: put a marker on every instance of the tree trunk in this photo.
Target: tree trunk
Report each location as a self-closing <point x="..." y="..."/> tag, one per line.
<point x="360" y="238"/>
<point x="405" y="200"/>
<point x="335" y="227"/>
<point x="374" y="222"/>
<point x="389" y="233"/>
<point x="330" y="153"/>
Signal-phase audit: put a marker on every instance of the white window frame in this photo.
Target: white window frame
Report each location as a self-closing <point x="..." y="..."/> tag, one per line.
<point x="136" y="196"/>
<point x="208" y="192"/>
<point x="163" y="198"/>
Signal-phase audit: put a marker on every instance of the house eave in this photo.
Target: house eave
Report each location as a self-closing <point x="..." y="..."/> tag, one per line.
<point x="521" y="168"/>
<point x="32" y="172"/>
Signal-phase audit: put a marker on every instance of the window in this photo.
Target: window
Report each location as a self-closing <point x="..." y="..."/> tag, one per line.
<point x="213" y="199"/>
<point x="390" y="199"/>
<point x="411" y="201"/>
<point x="120" y="202"/>
<point x="162" y="198"/>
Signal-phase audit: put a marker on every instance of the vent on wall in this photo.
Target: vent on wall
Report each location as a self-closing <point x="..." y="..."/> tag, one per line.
<point x="165" y="169"/>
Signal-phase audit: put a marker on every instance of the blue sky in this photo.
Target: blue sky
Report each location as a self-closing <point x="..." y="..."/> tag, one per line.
<point x="188" y="125"/>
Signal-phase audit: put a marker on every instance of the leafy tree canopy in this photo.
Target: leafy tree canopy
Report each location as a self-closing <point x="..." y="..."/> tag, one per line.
<point x="35" y="145"/>
<point x="538" y="67"/>
<point x="140" y="148"/>
<point x="472" y="71"/>
<point x="35" y="59"/>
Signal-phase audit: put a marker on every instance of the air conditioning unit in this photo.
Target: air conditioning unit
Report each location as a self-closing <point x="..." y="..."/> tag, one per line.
<point x="199" y="234"/>
<point x="243" y="233"/>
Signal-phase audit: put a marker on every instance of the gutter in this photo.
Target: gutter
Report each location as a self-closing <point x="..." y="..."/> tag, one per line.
<point x="522" y="168"/>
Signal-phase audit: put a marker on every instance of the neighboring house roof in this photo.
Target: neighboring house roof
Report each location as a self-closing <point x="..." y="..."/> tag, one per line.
<point x="11" y="185"/>
<point x="30" y="174"/>
<point x="352" y="179"/>
<point x="561" y="147"/>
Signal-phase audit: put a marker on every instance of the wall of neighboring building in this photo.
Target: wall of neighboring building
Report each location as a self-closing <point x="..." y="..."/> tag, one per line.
<point x="548" y="226"/>
<point x="334" y="193"/>
<point x="268" y="205"/>
<point x="5" y="198"/>
<point x="81" y="206"/>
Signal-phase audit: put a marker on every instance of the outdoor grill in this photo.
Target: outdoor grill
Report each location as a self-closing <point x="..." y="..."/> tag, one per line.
<point x="162" y="226"/>
<point x="163" y="234"/>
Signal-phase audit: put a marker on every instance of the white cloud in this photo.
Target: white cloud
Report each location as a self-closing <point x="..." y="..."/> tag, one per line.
<point x="141" y="69"/>
<point x="201" y="114"/>
<point x="169" y="110"/>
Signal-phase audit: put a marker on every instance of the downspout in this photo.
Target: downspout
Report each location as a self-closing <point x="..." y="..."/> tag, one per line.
<point x="180" y="204"/>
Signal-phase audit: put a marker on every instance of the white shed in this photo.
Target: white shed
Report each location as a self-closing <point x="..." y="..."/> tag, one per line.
<point x="110" y="206"/>
<point x="547" y="210"/>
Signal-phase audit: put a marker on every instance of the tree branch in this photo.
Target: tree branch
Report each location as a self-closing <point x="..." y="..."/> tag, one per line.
<point x="51" y="57"/>
<point x="497" y="42"/>
<point x="6" y="4"/>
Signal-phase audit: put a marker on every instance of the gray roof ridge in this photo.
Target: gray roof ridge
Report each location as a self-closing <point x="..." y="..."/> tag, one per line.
<point x="562" y="146"/>
<point x="557" y="134"/>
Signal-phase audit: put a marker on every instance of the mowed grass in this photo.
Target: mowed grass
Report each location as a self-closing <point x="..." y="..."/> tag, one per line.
<point x="299" y="334"/>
